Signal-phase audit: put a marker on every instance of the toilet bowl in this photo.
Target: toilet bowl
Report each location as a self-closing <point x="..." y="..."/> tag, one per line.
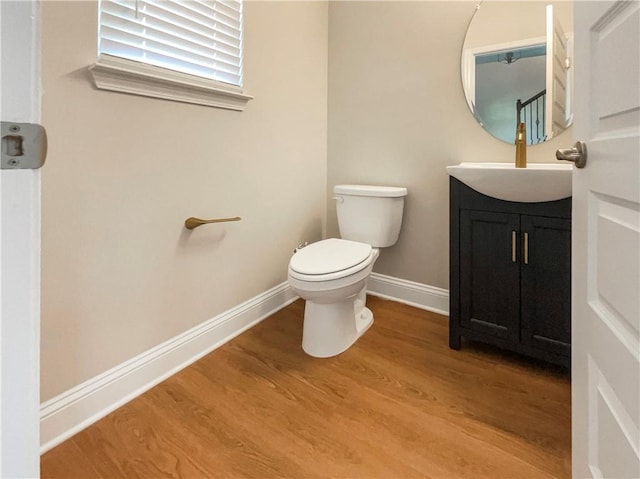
<point x="331" y="275"/>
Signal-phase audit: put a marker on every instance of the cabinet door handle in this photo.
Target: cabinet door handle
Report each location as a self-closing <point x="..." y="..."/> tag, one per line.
<point x="526" y="248"/>
<point x="513" y="246"/>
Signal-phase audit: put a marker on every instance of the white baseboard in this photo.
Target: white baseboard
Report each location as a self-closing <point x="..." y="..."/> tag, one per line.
<point x="414" y="294"/>
<point x="68" y="413"/>
<point x="72" y="411"/>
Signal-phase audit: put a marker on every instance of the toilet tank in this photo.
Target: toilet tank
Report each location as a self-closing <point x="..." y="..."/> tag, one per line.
<point x="370" y="214"/>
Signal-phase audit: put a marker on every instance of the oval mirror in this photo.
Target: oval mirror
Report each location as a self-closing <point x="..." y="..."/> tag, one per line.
<point x="516" y="67"/>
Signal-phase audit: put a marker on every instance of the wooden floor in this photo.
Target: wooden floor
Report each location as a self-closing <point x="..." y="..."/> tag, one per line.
<point x="398" y="404"/>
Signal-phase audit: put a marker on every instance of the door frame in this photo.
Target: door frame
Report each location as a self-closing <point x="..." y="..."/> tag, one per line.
<point x="469" y="62"/>
<point x="20" y="101"/>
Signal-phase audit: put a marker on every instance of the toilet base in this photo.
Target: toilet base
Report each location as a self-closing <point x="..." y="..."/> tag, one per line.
<point x="330" y="329"/>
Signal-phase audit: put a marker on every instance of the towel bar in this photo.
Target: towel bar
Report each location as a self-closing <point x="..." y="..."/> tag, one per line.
<point x="191" y="223"/>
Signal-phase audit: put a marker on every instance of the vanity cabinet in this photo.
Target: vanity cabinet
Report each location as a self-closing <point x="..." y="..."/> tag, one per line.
<point x="510" y="273"/>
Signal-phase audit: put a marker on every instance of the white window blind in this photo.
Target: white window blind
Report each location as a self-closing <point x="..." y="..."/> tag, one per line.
<point x="198" y="37"/>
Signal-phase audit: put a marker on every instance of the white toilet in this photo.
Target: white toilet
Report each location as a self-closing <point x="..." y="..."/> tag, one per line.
<point x="331" y="275"/>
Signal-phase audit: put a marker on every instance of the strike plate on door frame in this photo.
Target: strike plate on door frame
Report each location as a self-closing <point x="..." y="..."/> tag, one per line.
<point x="24" y="146"/>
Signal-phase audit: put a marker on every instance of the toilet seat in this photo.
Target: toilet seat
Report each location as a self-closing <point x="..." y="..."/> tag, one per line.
<point x="330" y="259"/>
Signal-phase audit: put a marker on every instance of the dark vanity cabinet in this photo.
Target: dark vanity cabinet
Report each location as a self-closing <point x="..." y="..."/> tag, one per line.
<point x="510" y="274"/>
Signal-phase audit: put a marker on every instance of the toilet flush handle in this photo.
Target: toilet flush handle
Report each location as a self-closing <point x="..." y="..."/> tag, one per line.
<point x="339" y="199"/>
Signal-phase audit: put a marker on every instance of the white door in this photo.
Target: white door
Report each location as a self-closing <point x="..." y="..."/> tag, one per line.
<point x="20" y="250"/>
<point x="606" y="242"/>
<point x="557" y="72"/>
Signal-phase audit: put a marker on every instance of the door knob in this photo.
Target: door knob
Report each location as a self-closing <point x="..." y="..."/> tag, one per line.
<point x="577" y="154"/>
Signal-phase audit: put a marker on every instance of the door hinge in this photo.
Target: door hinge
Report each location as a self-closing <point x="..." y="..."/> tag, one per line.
<point x="24" y="146"/>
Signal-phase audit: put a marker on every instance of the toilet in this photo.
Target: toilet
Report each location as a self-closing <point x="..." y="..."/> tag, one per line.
<point x="331" y="275"/>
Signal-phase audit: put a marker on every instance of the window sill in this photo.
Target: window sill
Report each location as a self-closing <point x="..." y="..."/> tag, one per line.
<point x="116" y="74"/>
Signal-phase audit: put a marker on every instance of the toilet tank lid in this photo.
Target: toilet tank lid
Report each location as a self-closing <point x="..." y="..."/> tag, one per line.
<point x="370" y="190"/>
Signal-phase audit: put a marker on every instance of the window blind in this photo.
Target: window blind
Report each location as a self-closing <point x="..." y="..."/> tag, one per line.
<point x="197" y="37"/>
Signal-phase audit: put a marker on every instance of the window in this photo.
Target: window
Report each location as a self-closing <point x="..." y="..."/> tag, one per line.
<point x="184" y="50"/>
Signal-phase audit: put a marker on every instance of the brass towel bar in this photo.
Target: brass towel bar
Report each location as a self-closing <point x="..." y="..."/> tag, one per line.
<point x="191" y="223"/>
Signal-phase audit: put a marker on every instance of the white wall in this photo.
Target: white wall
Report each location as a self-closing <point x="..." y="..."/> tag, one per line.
<point x="120" y="273"/>
<point x="398" y="116"/>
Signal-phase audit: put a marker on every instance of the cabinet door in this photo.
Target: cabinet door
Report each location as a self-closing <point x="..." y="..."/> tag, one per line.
<point x="489" y="273"/>
<point x="546" y="283"/>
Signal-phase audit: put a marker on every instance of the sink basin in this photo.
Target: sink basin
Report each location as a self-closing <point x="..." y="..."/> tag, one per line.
<point x="535" y="183"/>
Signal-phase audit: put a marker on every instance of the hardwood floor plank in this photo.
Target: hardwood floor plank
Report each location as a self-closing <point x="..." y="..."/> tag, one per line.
<point x="69" y="462"/>
<point x="397" y="404"/>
